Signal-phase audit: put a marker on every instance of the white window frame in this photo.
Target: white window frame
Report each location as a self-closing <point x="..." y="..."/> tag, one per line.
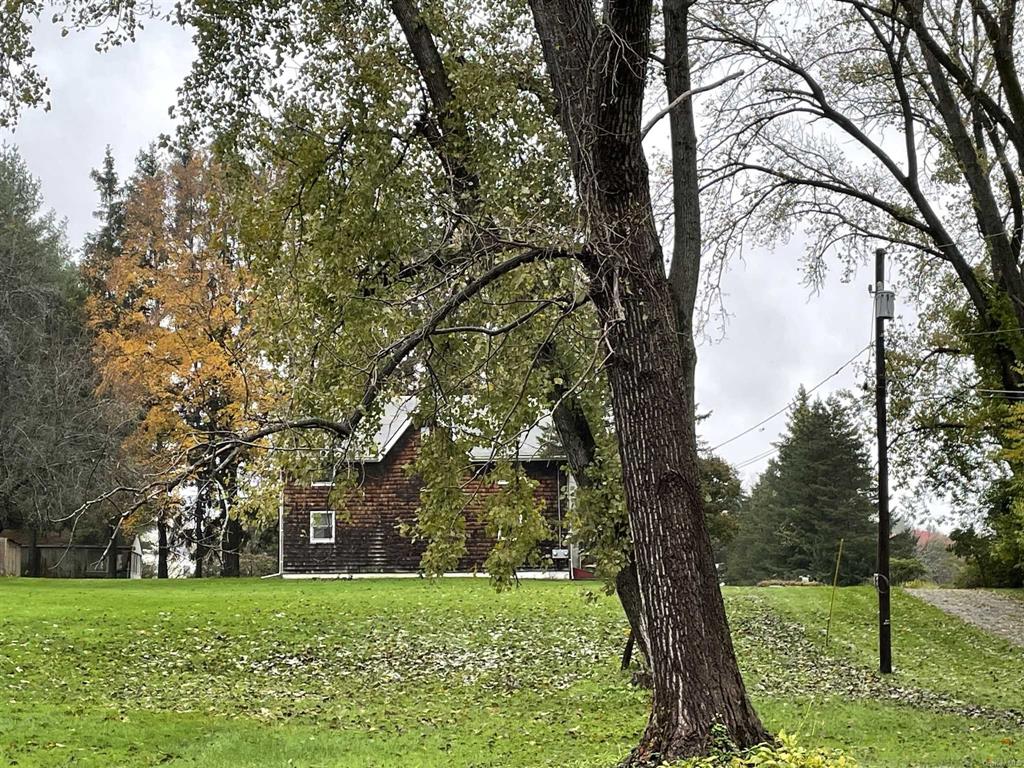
<point x="327" y="483"/>
<point x="334" y="523"/>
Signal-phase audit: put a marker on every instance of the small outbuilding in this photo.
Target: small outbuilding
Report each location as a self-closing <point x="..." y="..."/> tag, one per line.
<point x="58" y="555"/>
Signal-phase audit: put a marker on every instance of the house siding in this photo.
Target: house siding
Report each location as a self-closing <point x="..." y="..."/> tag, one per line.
<point x="56" y="555"/>
<point x="367" y="537"/>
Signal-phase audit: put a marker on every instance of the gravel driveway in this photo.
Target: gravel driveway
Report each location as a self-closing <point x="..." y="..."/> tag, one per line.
<point x="998" y="615"/>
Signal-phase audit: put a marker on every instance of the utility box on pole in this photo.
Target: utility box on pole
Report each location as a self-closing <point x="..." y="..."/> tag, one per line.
<point x="885" y="304"/>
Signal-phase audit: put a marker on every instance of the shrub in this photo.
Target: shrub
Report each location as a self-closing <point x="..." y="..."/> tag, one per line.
<point x="255" y="564"/>
<point x="904" y="569"/>
<point x="786" y="752"/>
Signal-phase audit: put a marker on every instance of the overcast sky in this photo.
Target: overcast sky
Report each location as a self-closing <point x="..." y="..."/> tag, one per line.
<point x="779" y="335"/>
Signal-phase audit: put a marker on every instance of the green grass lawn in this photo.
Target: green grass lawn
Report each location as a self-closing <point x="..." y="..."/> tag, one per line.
<point x="416" y="674"/>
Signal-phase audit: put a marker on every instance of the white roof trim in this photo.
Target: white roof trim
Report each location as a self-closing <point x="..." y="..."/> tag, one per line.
<point x="397" y="419"/>
<point x="390" y="444"/>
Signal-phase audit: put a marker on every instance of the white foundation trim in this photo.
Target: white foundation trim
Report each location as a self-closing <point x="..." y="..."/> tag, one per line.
<point x="532" y="575"/>
<point x="280" y="529"/>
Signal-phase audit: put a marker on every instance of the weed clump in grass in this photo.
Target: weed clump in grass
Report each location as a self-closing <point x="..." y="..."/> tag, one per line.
<point x="785" y="752"/>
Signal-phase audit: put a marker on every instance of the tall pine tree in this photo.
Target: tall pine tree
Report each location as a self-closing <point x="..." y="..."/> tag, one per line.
<point x="58" y="439"/>
<point x="818" y="490"/>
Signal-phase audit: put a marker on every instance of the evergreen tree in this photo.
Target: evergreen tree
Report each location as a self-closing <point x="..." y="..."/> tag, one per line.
<point x="817" y="491"/>
<point x="58" y="440"/>
<point x="107" y="240"/>
<point x="723" y="498"/>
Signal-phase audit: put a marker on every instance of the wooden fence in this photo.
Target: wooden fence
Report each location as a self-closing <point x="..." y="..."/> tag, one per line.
<point x="10" y="558"/>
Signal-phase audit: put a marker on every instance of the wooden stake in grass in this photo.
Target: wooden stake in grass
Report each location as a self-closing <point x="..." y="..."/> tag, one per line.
<point x="832" y="602"/>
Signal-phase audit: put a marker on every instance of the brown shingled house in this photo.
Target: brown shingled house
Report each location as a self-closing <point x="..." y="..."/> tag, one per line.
<point x="363" y="538"/>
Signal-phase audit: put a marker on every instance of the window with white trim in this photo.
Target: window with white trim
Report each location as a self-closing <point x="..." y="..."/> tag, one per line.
<point x="324" y="474"/>
<point x="321" y="527"/>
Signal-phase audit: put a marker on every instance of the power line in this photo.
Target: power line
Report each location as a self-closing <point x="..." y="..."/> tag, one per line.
<point x="992" y="333"/>
<point x="755" y="459"/>
<point x="785" y="408"/>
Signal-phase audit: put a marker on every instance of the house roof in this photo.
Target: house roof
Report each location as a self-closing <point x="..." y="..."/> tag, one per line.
<point x="23" y="537"/>
<point x="927" y="538"/>
<point x="397" y="418"/>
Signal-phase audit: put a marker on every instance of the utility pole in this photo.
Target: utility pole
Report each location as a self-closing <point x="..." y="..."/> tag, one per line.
<point x="884" y="310"/>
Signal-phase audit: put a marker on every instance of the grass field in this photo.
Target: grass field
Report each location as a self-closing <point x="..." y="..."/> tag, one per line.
<point x="415" y="674"/>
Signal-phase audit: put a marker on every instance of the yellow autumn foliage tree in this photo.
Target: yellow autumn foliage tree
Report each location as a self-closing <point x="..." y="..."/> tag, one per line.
<point x="168" y="303"/>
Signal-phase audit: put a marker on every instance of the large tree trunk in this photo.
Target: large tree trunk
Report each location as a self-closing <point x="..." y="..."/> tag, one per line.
<point x="694" y="671"/>
<point x="571" y="423"/>
<point x="598" y="74"/>
<point x="161" y="548"/>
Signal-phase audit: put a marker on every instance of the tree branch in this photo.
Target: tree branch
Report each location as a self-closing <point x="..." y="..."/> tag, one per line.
<point x="216" y="453"/>
<point x="683" y="97"/>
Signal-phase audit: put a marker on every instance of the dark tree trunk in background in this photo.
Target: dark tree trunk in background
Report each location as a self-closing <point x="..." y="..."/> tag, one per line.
<point x="598" y="73"/>
<point x="230" y="563"/>
<point x="200" y="534"/>
<point x="232" y="533"/>
<point x="161" y="548"/>
<point x="627" y="652"/>
<point x="627" y="587"/>
<point x="114" y="537"/>
<point x="577" y="441"/>
<point x="35" y="565"/>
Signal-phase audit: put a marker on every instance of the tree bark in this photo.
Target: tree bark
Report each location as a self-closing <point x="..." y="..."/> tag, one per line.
<point x="230" y="563"/>
<point x="627" y="652"/>
<point x="35" y="567"/>
<point x="112" y="556"/>
<point x="200" y="533"/>
<point x="683" y="277"/>
<point x="627" y="587"/>
<point x="577" y="441"/>
<point x="684" y="274"/>
<point x="696" y="679"/>
<point x="598" y="73"/>
<point x="161" y="548"/>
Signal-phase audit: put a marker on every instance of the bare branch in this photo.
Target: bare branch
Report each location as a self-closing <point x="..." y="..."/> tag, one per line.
<point x="683" y="97"/>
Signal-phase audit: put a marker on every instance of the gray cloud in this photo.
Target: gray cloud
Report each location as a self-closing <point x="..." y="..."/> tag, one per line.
<point x="119" y="98"/>
<point x="779" y="335"/>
